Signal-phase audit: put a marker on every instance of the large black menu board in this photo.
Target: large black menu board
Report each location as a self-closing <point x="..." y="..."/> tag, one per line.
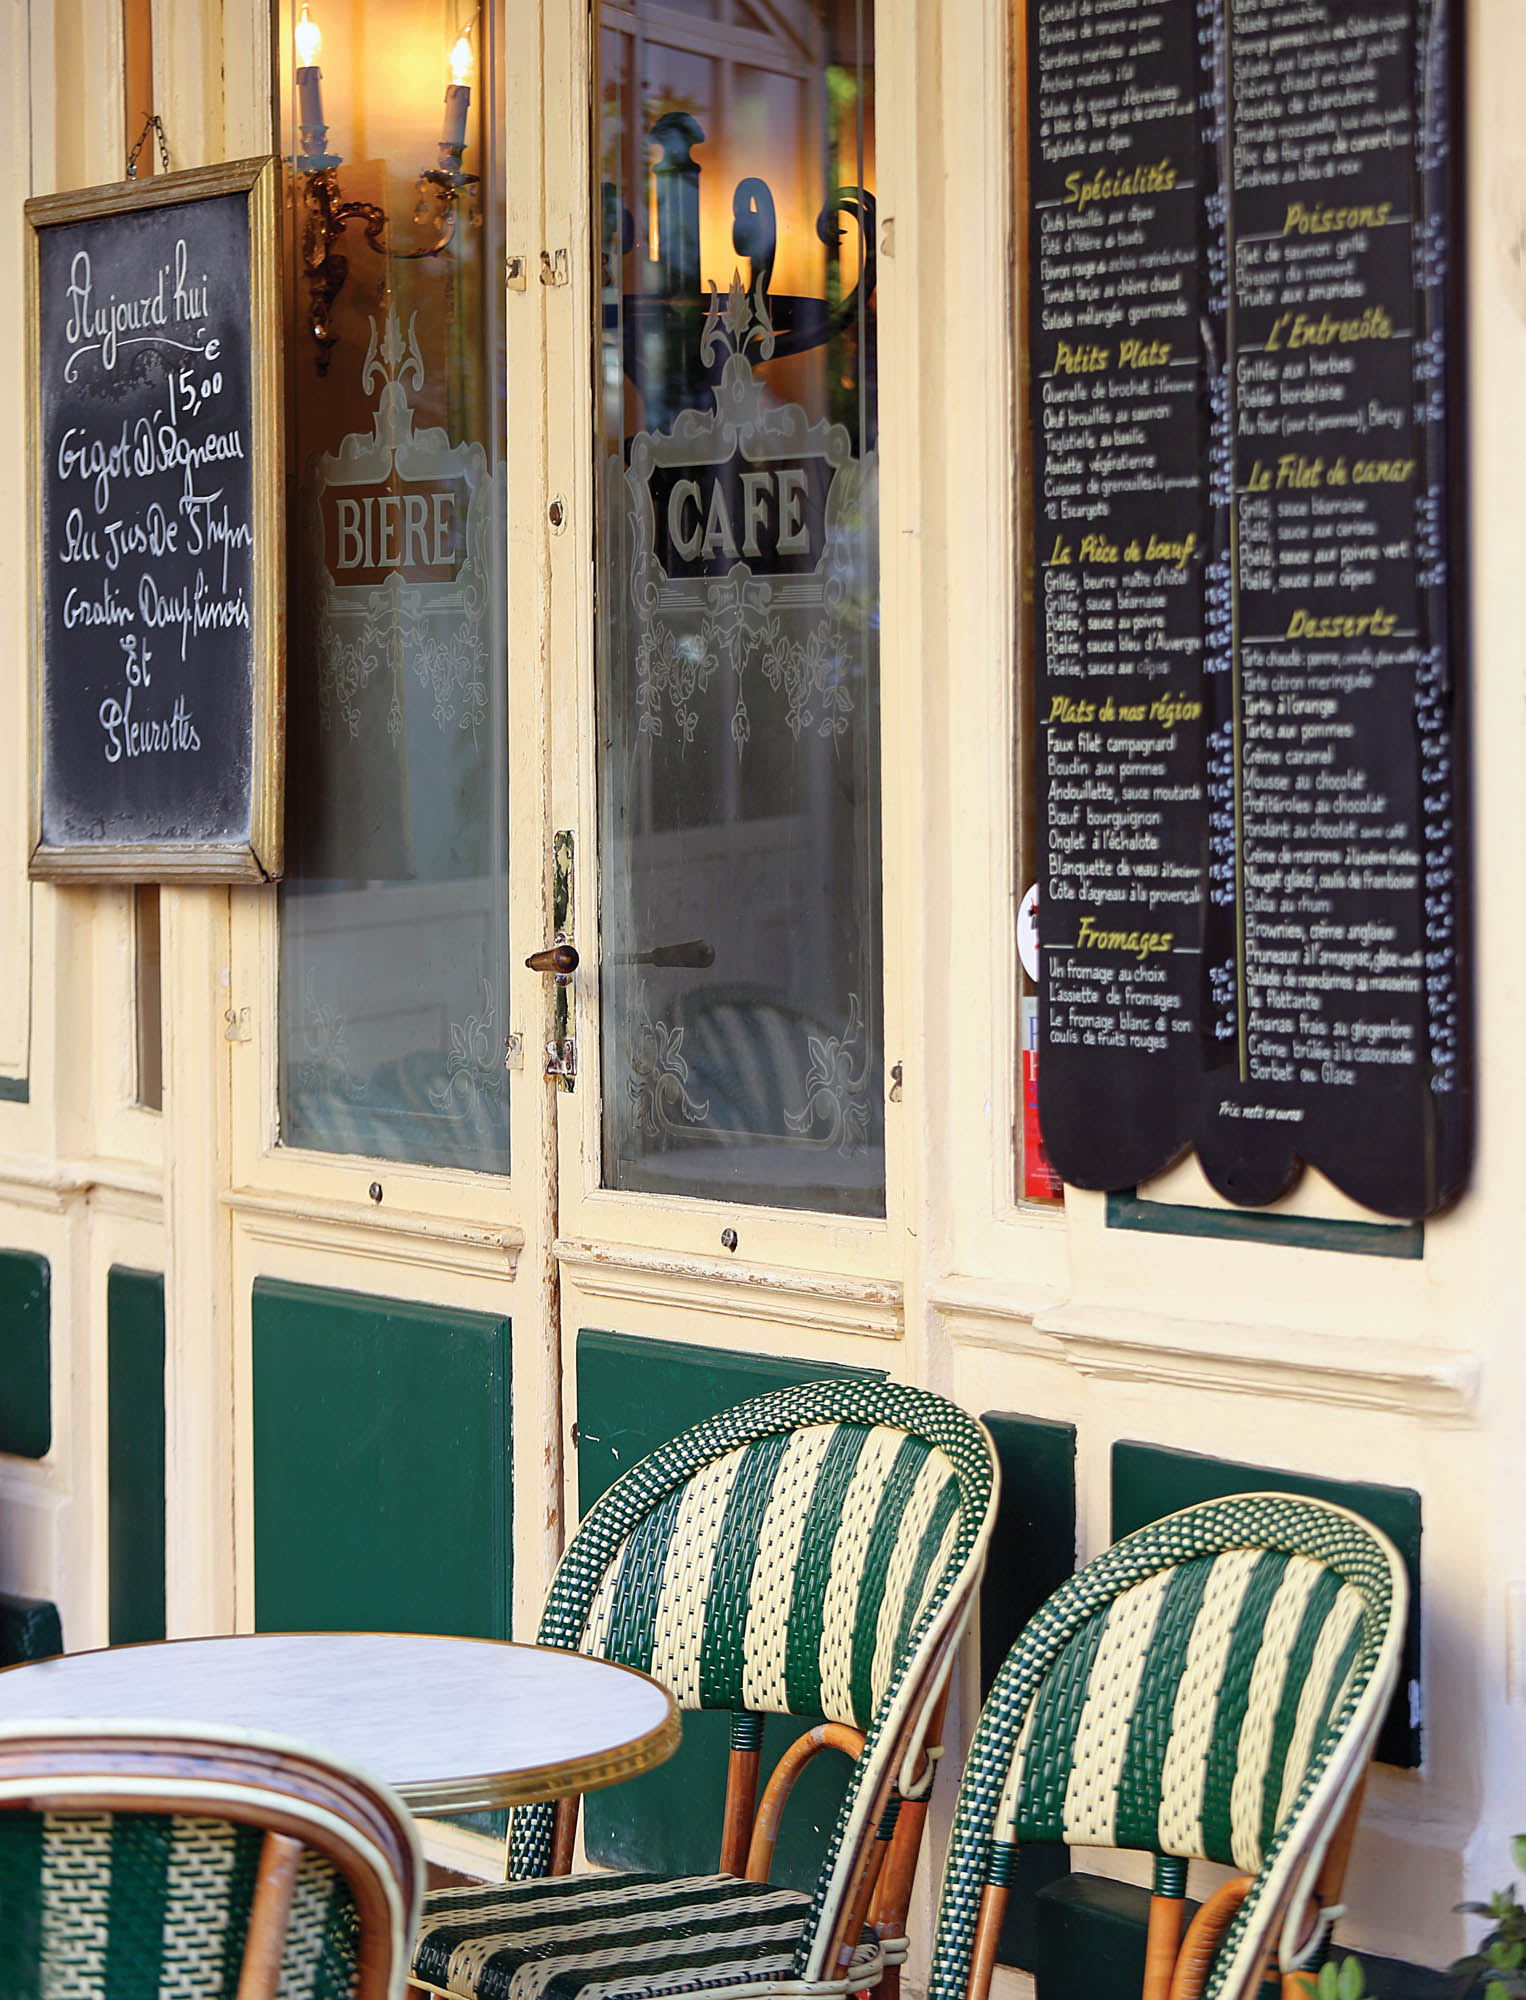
<point x="1245" y="349"/>
<point x="155" y="429"/>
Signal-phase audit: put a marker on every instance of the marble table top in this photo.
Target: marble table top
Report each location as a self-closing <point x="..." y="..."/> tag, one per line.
<point x="454" y="1725"/>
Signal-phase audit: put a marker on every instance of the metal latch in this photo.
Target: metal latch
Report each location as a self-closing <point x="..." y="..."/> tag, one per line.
<point x="562" y="1061"/>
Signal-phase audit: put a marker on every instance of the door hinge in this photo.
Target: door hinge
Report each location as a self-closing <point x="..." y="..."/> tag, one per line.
<point x="562" y="1062"/>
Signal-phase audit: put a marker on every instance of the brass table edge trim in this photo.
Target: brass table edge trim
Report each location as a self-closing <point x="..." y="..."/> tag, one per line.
<point x="494" y="1790"/>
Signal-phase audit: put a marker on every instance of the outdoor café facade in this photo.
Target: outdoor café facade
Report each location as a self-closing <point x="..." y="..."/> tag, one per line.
<point x="710" y="535"/>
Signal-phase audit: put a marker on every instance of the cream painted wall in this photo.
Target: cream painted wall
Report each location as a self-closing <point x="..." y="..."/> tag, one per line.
<point x="1410" y="1373"/>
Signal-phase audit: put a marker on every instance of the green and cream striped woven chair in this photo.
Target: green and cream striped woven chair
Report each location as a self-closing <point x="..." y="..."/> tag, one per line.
<point x="1210" y="1688"/>
<point x="813" y="1552"/>
<point x="157" y="1863"/>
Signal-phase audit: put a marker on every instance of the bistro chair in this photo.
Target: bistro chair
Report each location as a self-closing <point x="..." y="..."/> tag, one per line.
<point x="1210" y="1688"/>
<point x="812" y="1552"/>
<point x="189" y="1865"/>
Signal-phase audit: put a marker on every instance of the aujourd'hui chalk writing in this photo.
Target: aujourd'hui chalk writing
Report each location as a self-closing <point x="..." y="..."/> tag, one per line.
<point x="152" y="545"/>
<point x="104" y="327"/>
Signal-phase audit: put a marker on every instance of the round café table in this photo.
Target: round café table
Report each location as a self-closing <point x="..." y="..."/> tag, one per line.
<point x="453" y="1725"/>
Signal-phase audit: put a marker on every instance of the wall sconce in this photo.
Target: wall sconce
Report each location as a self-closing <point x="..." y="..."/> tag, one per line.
<point x="441" y="188"/>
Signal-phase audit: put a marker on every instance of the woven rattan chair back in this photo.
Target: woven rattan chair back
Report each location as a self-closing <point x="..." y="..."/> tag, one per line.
<point x="1208" y="1688"/>
<point x="812" y="1552"/>
<point x="196" y="1866"/>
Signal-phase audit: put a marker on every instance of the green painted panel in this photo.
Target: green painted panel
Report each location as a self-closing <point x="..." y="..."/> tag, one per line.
<point x="15" y="1090"/>
<point x="1089" y="1938"/>
<point x="633" y="1395"/>
<point x="1291" y="1232"/>
<point x="26" y="1377"/>
<point x="29" y="1629"/>
<point x="1149" y="1480"/>
<point x="135" y="1453"/>
<point x="1033" y="1550"/>
<point x="382" y="1472"/>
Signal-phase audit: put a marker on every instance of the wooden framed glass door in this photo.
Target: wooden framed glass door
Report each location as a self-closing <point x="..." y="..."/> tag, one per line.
<point x="716" y="605"/>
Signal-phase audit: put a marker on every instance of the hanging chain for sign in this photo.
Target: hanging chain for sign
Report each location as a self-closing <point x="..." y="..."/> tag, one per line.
<point x="152" y="123"/>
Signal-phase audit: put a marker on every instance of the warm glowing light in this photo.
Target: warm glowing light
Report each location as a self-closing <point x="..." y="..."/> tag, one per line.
<point x="461" y="62"/>
<point x="308" y="38"/>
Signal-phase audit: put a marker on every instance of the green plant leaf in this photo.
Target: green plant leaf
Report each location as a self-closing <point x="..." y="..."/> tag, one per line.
<point x="1350" y="1985"/>
<point x="1325" y="1986"/>
<point x="1518" y="1849"/>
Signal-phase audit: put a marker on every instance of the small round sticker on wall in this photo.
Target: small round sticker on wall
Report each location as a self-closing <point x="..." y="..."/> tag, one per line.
<point x="1028" y="933"/>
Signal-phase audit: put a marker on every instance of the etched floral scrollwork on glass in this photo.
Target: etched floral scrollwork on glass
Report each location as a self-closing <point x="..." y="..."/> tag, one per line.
<point x="394" y="910"/>
<point x="739" y="613"/>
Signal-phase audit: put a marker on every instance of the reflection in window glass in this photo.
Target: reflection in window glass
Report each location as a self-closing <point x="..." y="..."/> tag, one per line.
<point x="394" y="912"/>
<point x="738" y="640"/>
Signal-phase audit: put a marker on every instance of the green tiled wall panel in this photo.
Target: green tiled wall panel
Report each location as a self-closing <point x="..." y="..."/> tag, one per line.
<point x="1149" y="1480"/>
<point x="26" y="1379"/>
<point x="1033" y="1550"/>
<point x="382" y="1471"/>
<point x="633" y="1395"/>
<point x="135" y="1453"/>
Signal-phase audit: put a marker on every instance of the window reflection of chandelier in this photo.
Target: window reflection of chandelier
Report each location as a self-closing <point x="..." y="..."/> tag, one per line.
<point x="441" y="188"/>
<point x="674" y="312"/>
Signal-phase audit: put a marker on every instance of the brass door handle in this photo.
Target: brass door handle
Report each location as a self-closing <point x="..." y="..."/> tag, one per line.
<point x="560" y="958"/>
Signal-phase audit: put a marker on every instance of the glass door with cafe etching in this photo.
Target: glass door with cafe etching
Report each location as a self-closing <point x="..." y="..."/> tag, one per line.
<point x="725" y="771"/>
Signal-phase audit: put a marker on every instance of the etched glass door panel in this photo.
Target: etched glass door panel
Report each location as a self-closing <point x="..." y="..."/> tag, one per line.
<point x="739" y="604"/>
<point x="394" y="912"/>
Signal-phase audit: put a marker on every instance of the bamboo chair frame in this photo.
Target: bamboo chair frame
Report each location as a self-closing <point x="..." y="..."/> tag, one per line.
<point x="924" y="1603"/>
<point x="1179" y="1955"/>
<point x="1290" y="1906"/>
<point x="750" y="1827"/>
<point x="299" y="1799"/>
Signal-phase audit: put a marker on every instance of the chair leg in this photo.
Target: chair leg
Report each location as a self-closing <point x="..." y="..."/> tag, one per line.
<point x="564" y="1834"/>
<point x="741" y="1791"/>
<point x="993" y="1908"/>
<point x="269" y="1917"/>
<point x="892" y="1895"/>
<point x="1167" y="1910"/>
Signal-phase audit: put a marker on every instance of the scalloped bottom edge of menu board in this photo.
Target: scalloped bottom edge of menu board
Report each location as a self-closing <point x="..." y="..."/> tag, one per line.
<point x="1253" y="1176"/>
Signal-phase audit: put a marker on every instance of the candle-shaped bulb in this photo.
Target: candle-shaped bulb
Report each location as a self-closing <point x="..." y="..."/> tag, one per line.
<point x="309" y="43"/>
<point x="458" y="98"/>
<point x="309" y="39"/>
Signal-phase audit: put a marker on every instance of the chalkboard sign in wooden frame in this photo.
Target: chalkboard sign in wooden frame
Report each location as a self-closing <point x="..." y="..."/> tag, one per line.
<point x="155" y="425"/>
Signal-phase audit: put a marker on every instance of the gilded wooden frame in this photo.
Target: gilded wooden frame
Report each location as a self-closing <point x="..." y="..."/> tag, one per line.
<point x="260" y="859"/>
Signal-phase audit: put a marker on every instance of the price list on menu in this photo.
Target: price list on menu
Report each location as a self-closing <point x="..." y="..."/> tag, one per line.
<point x="1243" y="341"/>
<point x="157" y="558"/>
